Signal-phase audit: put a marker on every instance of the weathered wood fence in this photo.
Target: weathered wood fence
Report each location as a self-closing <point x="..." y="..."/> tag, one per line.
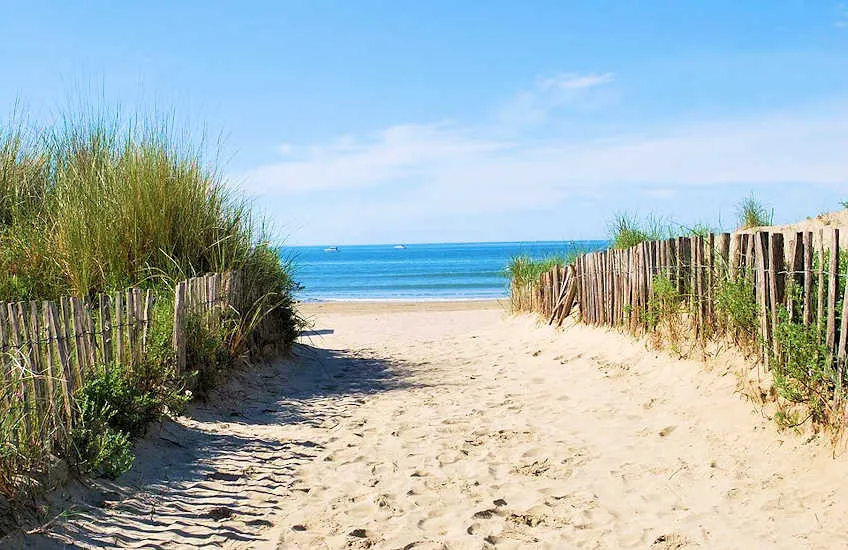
<point x="49" y="349"/>
<point x="800" y="273"/>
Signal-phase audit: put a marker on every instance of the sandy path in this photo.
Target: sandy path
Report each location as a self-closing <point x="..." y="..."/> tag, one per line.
<point x="469" y="429"/>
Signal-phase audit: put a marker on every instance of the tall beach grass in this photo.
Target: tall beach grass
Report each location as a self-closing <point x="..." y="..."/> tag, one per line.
<point x="97" y="202"/>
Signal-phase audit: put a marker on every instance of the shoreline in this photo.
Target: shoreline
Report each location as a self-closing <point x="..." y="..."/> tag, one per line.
<point x="366" y="307"/>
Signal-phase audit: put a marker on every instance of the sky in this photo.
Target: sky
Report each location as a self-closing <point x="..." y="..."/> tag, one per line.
<point x="491" y="120"/>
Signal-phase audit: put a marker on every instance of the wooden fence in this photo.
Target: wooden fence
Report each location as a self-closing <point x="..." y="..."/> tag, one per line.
<point x="799" y="273"/>
<point x="207" y="297"/>
<point x="49" y="349"/>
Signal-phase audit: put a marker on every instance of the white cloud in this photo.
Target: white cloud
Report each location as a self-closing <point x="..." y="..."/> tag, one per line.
<point x="571" y="81"/>
<point x="549" y="95"/>
<point x="448" y="164"/>
<point x="448" y="180"/>
<point x="285" y="149"/>
<point x="392" y="155"/>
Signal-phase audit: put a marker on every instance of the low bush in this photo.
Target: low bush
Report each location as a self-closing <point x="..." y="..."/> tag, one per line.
<point x="665" y="303"/>
<point x="735" y="302"/>
<point x="802" y="369"/>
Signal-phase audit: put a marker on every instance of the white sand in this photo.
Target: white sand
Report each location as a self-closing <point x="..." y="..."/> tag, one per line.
<point x="465" y="428"/>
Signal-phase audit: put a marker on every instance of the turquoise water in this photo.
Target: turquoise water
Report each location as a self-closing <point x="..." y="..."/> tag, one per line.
<point x="467" y="271"/>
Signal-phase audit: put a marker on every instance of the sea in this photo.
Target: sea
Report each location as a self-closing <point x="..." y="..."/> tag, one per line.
<point x="439" y="272"/>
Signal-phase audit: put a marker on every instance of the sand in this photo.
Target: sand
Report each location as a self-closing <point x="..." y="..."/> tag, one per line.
<point x="462" y="427"/>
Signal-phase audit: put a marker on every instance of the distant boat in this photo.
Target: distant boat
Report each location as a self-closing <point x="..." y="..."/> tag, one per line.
<point x="400" y="247"/>
<point x="331" y="249"/>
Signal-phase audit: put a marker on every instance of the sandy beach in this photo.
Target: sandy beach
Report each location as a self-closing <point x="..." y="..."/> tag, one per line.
<point x="424" y="426"/>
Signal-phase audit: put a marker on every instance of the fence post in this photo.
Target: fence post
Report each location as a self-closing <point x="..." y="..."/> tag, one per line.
<point x="179" y="328"/>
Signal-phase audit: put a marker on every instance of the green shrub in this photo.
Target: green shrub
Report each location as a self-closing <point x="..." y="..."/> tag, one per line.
<point x="207" y="354"/>
<point x="735" y="299"/>
<point x="802" y="369"/>
<point x="115" y="405"/>
<point x="665" y="303"/>
<point x="109" y="408"/>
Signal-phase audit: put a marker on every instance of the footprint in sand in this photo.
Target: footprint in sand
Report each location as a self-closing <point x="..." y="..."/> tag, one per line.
<point x="665" y="432"/>
<point x="672" y="541"/>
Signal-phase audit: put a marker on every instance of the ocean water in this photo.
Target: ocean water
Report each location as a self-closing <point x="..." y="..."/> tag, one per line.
<point x="466" y="271"/>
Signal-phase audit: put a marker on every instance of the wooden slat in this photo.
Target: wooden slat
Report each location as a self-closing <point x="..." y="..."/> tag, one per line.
<point x="62" y="372"/>
<point x="18" y="325"/>
<point x="751" y="257"/>
<point x="808" y="278"/>
<point x="832" y="290"/>
<point x="179" y="327"/>
<point x="735" y="257"/>
<point x="81" y="336"/>
<point x="42" y="412"/>
<point x="147" y="318"/>
<point x="118" y="328"/>
<point x="107" y="349"/>
<point x="794" y="279"/>
<point x="90" y="333"/>
<point x="822" y="285"/>
<point x="76" y="331"/>
<point x="129" y="323"/>
<point x="843" y="345"/>
<point x="710" y="258"/>
<point x="761" y="266"/>
<point x="49" y="361"/>
<point x="6" y="378"/>
<point x="68" y="331"/>
<point x="138" y="324"/>
<point x="776" y="282"/>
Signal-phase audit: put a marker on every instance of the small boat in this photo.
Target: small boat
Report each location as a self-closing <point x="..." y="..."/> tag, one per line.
<point x="400" y="247"/>
<point x="331" y="249"/>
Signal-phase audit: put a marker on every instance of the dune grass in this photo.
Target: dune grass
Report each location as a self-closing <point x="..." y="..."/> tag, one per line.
<point x="99" y="202"/>
<point x="93" y="204"/>
<point x="627" y="230"/>
<point x="751" y="213"/>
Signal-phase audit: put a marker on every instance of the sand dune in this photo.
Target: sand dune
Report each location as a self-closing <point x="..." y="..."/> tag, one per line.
<point x="466" y="428"/>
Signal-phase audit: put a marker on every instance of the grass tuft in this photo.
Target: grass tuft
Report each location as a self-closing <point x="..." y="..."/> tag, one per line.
<point x="751" y="213"/>
<point x="626" y="230"/>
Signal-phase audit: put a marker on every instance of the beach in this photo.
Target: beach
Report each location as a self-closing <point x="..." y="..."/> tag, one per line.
<point x="460" y="426"/>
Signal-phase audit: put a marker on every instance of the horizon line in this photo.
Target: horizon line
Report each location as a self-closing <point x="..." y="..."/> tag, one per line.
<point x="407" y="243"/>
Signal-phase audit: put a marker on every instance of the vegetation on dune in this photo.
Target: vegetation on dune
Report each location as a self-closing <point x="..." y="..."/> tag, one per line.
<point x="524" y="269"/>
<point x="751" y="213"/>
<point x="94" y="204"/>
<point x="99" y="203"/>
<point x="689" y="310"/>
<point x="627" y="230"/>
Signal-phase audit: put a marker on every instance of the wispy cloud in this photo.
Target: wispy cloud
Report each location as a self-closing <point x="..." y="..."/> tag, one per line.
<point x="548" y="95"/>
<point x="449" y="160"/>
<point x="841" y="16"/>
<point x="424" y="177"/>
<point x="571" y="81"/>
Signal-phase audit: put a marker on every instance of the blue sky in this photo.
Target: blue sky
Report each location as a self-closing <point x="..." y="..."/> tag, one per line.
<point x="370" y="122"/>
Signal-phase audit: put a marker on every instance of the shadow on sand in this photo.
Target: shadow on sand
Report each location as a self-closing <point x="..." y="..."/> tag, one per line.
<point x="215" y="477"/>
